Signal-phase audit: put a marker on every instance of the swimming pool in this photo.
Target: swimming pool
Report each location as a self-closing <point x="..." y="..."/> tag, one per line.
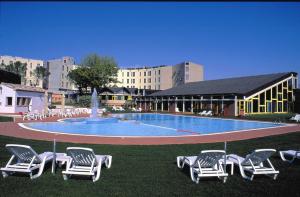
<point x="150" y="125"/>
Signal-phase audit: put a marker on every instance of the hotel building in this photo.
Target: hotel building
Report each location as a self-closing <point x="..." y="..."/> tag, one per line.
<point x="159" y="77"/>
<point x="29" y="79"/>
<point x="58" y="79"/>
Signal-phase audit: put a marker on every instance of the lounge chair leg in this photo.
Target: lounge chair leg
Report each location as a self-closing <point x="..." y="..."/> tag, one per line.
<point x="193" y="175"/>
<point x="98" y="173"/>
<point x="224" y="179"/>
<point x="5" y="174"/>
<point x="108" y="161"/>
<point x="65" y="177"/>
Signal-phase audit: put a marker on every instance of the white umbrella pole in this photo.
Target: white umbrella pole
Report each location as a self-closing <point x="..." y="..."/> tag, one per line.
<point x="225" y="149"/>
<point x="54" y="156"/>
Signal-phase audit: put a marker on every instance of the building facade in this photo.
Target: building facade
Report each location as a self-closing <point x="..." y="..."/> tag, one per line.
<point x="58" y="78"/>
<point x="31" y="64"/>
<point x="159" y="77"/>
<point x="261" y="94"/>
<point x="16" y="98"/>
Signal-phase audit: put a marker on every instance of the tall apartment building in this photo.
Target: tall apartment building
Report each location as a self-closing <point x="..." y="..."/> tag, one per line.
<point x="160" y="77"/>
<point x="29" y="79"/>
<point x="58" y="78"/>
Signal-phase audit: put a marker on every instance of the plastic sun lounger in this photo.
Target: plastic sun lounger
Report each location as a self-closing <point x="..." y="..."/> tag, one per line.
<point x="291" y="153"/>
<point x="206" y="164"/>
<point x="202" y="113"/>
<point x="84" y="162"/>
<point x="256" y="163"/>
<point x="27" y="160"/>
<point x="296" y="118"/>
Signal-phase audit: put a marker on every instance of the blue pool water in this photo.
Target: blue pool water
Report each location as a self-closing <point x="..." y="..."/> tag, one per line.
<point x="140" y="124"/>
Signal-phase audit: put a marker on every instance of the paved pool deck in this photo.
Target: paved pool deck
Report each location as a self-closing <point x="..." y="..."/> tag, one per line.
<point x="12" y="129"/>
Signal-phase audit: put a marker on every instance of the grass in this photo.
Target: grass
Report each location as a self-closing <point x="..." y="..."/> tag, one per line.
<point x="152" y="171"/>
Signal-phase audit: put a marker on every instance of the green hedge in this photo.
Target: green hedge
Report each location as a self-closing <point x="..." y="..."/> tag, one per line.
<point x="6" y="119"/>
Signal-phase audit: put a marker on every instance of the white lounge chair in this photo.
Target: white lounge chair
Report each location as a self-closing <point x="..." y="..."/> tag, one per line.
<point x="255" y="163"/>
<point x="139" y="109"/>
<point x="290" y="153"/>
<point x="206" y="164"/>
<point x="202" y="113"/>
<point x="208" y="113"/>
<point x="84" y="162"/>
<point x="24" y="159"/>
<point x="177" y="109"/>
<point x="296" y="118"/>
<point x="114" y="108"/>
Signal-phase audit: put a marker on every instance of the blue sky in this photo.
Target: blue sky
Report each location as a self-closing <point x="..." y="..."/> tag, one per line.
<point x="229" y="39"/>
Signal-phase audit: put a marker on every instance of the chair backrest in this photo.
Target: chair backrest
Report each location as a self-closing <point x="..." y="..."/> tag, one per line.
<point x="209" y="158"/>
<point x="82" y="156"/>
<point x="258" y="156"/>
<point x="23" y="153"/>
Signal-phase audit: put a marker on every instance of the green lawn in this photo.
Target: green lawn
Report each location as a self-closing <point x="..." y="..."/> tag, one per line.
<point x="152" y="171"/>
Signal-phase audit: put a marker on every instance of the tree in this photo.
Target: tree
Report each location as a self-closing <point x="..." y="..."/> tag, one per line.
<point x="41" y="73"/>
<point x="95" y="72"/>
<point x="103" y="70"/>
<point x="80" y="77"/>
<point x="17" y="68"/>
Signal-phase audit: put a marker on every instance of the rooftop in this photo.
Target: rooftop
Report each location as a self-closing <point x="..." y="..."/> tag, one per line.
<point x="23" y="87"/>
<point x="238" y="86"/>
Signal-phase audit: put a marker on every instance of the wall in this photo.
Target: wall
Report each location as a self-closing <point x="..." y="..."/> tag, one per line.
<point x="7" y="92"/>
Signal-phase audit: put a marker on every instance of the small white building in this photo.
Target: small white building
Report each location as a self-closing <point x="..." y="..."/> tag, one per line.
<point x="15" y="98"/>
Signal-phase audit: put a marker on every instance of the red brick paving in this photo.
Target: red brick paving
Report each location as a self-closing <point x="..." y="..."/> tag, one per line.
<point x="14" y="130"/>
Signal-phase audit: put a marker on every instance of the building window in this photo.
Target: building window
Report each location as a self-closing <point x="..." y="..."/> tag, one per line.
<point x="0" y="90"/>
<point x="122" y="74"/>
<point x="133" y="80"/>
<point x="158" y="79"/>
<point x="187" y="69"/>
<point x="23" y="101"/>
<point x="30" y="73"/>
<point x="144" y="80"/>
<point x="127" y="74"/>
<point x="62" y="84"/>
<point x="158" y="87"/>
<point x="158" y="72"/>
<point x="122" y="80"/>
<point x="144" y="87"/>
<point x="149" y="73"/>
<point x="140" y="74"/>
<point x="187" y="77"/>
<point x="65" y="61"/>
<point x="62" y="75"/>
<point x="187" y="63"/>
<point x="127" y="80"/>
<point x="67" y="84"/>
<point x="140" y="81"/>
<point x="8" y="101"/>
<point x="149" y="80"/>
<point x="63" y="67"/>
<point x="30" y="65"/>
<point x="149" y="87"/>
<point x="133" y="74"/>
<point x="145" y="73"/>
<point x="38" y="65"/>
